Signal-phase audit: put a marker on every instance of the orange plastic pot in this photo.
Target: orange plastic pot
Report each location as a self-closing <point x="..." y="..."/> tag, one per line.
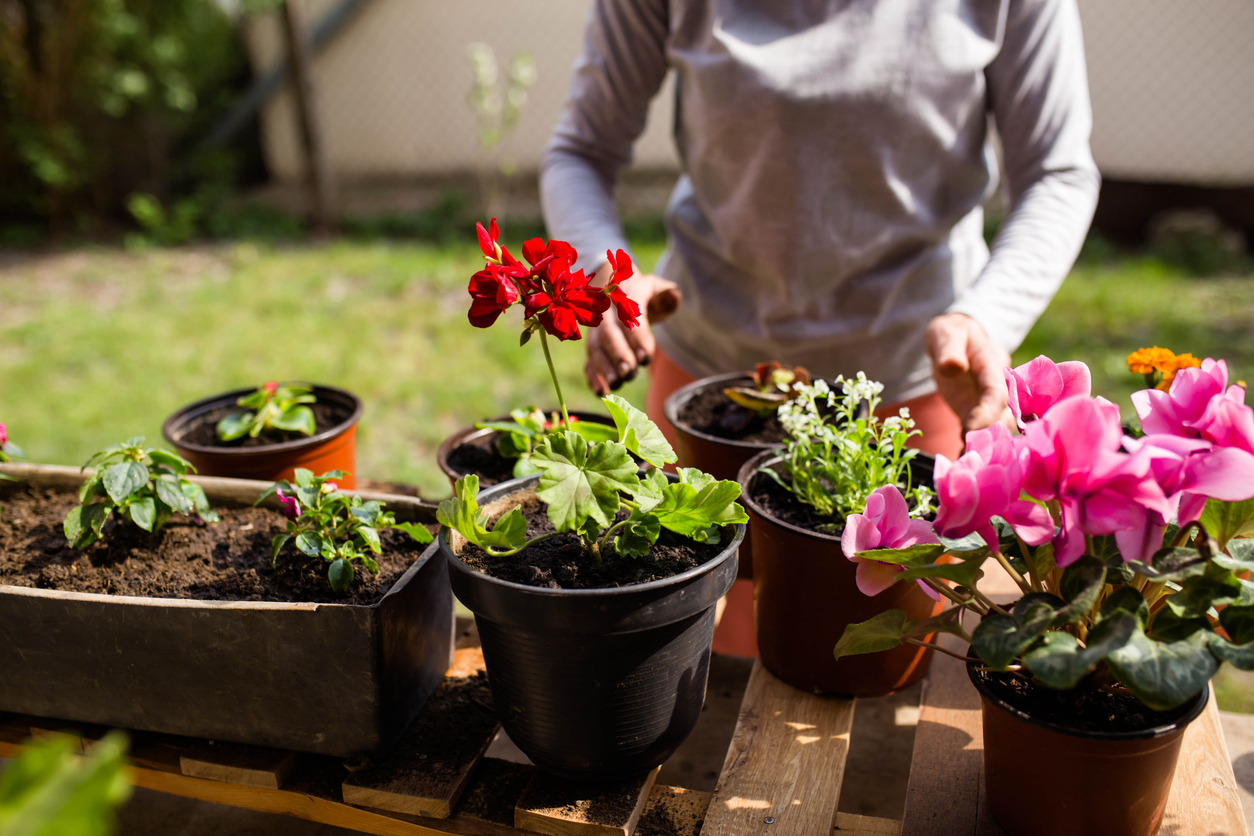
<point x="469" y="435"/>
<point x="1044" y="779"/>
<point x="805" y="594"/>
<point x="331" y="449"/>
<point x="722" y="458"/>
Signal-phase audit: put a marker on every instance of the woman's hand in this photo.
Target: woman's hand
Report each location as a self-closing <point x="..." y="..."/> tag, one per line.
<point x="967" y="367"/>
<point x="615" y="354"/>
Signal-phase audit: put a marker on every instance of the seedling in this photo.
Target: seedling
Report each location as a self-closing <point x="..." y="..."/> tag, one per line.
<point x="274" y="407"/>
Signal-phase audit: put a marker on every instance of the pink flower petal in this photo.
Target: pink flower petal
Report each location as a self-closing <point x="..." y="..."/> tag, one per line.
<point x="1076" y="379"/>
<point x="1031" y="522"/>
<point x="873" y="577"/>
<point x="860" y="535"/>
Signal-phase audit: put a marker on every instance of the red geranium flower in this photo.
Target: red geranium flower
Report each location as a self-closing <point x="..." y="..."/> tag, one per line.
<point x="493" y="251"/>
<point x="536" y="250"/>
<point x="492" y="291"/>
<point x="566" y="303"/>
<point x="628" y="310"/>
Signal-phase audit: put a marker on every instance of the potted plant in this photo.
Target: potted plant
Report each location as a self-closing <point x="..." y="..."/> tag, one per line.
<point x="593" y="584"/>
<point x="144" y="597"/>
<point x="836" y="460"/>
<point x="8" y="451"/>
<point x="1128" y="553"/>
<point x="268" y="432"/>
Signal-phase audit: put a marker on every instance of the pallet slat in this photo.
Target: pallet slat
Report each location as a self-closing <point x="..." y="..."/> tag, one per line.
<point x="785" y="764"/>
<point x="235" y="763"/>
<point x="564" y="808"/>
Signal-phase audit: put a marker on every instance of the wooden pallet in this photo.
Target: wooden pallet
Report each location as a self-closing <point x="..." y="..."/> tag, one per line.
<point x="782" y="775"/>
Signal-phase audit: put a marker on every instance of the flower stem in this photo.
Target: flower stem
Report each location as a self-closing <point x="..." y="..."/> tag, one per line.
<point x="940" y="649"/>
<point x="548" y="358"/>
<point x="951" y="595"/>
<point x="1010" y="570"/>
<point x="528" y="544"/>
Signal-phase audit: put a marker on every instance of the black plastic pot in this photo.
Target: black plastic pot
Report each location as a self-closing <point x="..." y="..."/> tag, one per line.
<point x="1086" y="783"/>
<point x="594" y="684"/>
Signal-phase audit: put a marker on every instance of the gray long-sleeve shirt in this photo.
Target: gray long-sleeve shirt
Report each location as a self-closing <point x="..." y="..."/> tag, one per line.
<point x="835" y="159"/>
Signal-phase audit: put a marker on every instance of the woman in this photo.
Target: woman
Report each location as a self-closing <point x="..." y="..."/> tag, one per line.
<point x="836" y="156"/>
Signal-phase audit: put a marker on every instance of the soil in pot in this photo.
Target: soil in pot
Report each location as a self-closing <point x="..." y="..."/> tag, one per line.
<point x="561" y="562"/>
<point x="202" y="430"/>
<point x="225" y="561"/>
<point x="1079" y="709"/>
<point x="711" y="412"/>
<point x="480" y="456"/>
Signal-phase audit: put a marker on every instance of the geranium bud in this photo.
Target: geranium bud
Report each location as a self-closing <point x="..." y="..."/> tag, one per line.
<point x="291" y="508"/>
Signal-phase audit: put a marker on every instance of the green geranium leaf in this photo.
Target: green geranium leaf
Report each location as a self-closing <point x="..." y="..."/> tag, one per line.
<point x="920" y="554"/>
<point x="638" y="535"/>
<point x="1227" y="520"/>
<point x="122" y="480"/>
<point x="525" y="467"/>
<point x="652" y="488"/>
<point x="595" y="432"/>
<point x="1126" y="599"/>
<point x="1163" y="675"/>
<point x="882" y="632"/>
<point x="638" y="434"/>
<point x="420" y="532"/>
<point x="582" y="482"/>
<point x="340" y="574"/>
<point x="143" y="512"/>
<point x="1238" y="623"/>
<point x="999" y="639"/>
<point x="698" y="504"/>
<point x="462" y="514"/>
<point x="1058" y="661"/>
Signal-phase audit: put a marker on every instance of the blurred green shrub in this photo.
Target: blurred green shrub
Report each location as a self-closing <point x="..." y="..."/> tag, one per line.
<point x="49" y="791"/>
<point x="101" y="99"/>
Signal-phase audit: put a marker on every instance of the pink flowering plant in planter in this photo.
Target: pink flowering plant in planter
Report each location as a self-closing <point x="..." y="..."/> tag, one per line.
<point x="323" y="522"/>
<point x="584" y="483"/>
<point x="8" y="452"/>
<point x="1131" y="553"/>
<point x="272" y="406"/>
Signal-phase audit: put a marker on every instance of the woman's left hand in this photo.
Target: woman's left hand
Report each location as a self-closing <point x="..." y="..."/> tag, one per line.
<point x="967" y="367"/>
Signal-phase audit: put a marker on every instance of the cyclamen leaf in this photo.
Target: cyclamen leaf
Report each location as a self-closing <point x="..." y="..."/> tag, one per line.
<point x="1058" y="661"/>
<point x="1163" y="675"/>
<point x="582" y="482"/>
<point x="963" y="573"/>
<point x="919" y="554"/>
<point x="123" y="479"/>
<point x="1171" y="625"/>
<point x="698" y="504"/>
<point x="1226" y="520"/>
<point x="462" y="514"/>
<point x="1126" y="599"/>
<point x="998" y="639"/>
<point x="1238" y="623"/>
<point x="638" y="434"/>
<point x="1240" y="656"/>
<point x="882" y="632"/>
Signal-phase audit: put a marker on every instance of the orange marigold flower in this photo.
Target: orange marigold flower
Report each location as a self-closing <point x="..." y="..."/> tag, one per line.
<point x="1150" y="360"/>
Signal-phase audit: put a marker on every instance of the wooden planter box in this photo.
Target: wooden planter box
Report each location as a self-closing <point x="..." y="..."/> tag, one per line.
<point x="334" y="679"/>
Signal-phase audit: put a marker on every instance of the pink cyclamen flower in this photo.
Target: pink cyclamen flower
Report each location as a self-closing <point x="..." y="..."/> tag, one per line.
<point x="886" y="524"/>
<point x="1039" y="384"/>
<point x="987" y="481"/>
<point x="1179" y="410"/>
<point x="1074" y="458"/>
<point x="291" y="508"/>
<point x="4" y="435"/>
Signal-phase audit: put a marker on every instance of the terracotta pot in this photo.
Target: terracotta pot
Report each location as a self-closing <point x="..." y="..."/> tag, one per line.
<point x="470" y="434"/>
<point x="804" y="595"/>
<point x="594" y="684"/>
<point x="1043" y="779"/>
<point x="332" y="449"/>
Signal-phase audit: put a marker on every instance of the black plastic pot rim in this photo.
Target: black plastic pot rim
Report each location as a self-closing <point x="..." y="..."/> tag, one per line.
<point x="1142" y="734"/>
<point x="227" y="398"/>
<point x="683" y="394"/>
<point x="512" y="486"/>
<point x="466" y="435"/>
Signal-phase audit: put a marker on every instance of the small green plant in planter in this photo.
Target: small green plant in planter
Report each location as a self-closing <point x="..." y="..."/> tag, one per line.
<point x="583" y="483"/>
<point x="833" y="462"/>
<point x="8" y="452"/>
<point x="329" y="524"/>
<point x="273" y="407"/>
<point x="518" y="439"/>
<point x="773" y="386"/>
<point x="135" y="483"/>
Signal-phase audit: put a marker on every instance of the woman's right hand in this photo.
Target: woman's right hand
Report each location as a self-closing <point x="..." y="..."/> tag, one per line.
<point x="615" y="354"/>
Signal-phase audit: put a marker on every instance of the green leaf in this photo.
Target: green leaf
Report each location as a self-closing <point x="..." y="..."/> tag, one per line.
<point x="340" y="574"/>
<point x="371" y="536"/>
<point x="651" y="489"/>
<point x="638" y="434"/>
<point x="234" y="425"/>
<point x="90" y="488"/>
<point x="638" y="535"/>
<point x="199" y="501"/>
<point x="299" y="419"/>
<point x="1227" y="520"/>
<point x="84" y="522"/>
<point x="581" y="482"/>
<point x="143" y="512"/>
<point x="1162" y="675"/>
<point x="881" y="632"/>
<point x="1034" y="599"/>
<point x="1126" y="599"/>
<point x="310" y="543"/>
<point x="367" y="512"/>
<point x="304" y="477"/>
<point x="698" y="504"/>
<point x="370" y="563"/>
<point x="1058" y="661"/>
<point x="175" y="462"/>
<point x="1081" y="585"/>
<point x="416" y="531"/>
<point x="1240" y="656"/>
<point x="1041" y="559"/>
<point x="462" y="514"/>
<point x="169" y="492"/>
<point x="1172" y="564"/>
<point x="963" y="573"/>
<point x="999" y="639"/>
<point x="122" y="480"/>
<point x="1216" y="585"/>
<point x="595" y="432"/>
<point x="525" y="467"/>
<point x="1238" y="623"/>
<point x="970" y="543"/>
<point x="276" y="546"/>
<point x="1171" y="625"/>
<point x="919" y="554"/>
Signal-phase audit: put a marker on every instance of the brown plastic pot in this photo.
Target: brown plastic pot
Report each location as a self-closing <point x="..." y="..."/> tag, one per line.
<point x="805" y="594"/>
<point x="468" y="435"/>
<point x="332" y="449"/>
<point x="1043" y="779"/>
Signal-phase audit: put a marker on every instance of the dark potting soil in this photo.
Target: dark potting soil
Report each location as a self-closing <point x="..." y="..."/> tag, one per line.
<point x="480" y="456"/>
<point x="1081" y="709"/>
<point x="203" y="433"/>
<point x="782" y="505"/>
<point x="224" y="561"/>
<point x="561" y="563"/>
<point x="609" y="805"/>
<point x="713" y="413"/>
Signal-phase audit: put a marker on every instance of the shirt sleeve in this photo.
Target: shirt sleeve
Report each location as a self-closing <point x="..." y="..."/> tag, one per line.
<point x="622" y="67"/>
<point x="1038" y="92"/>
